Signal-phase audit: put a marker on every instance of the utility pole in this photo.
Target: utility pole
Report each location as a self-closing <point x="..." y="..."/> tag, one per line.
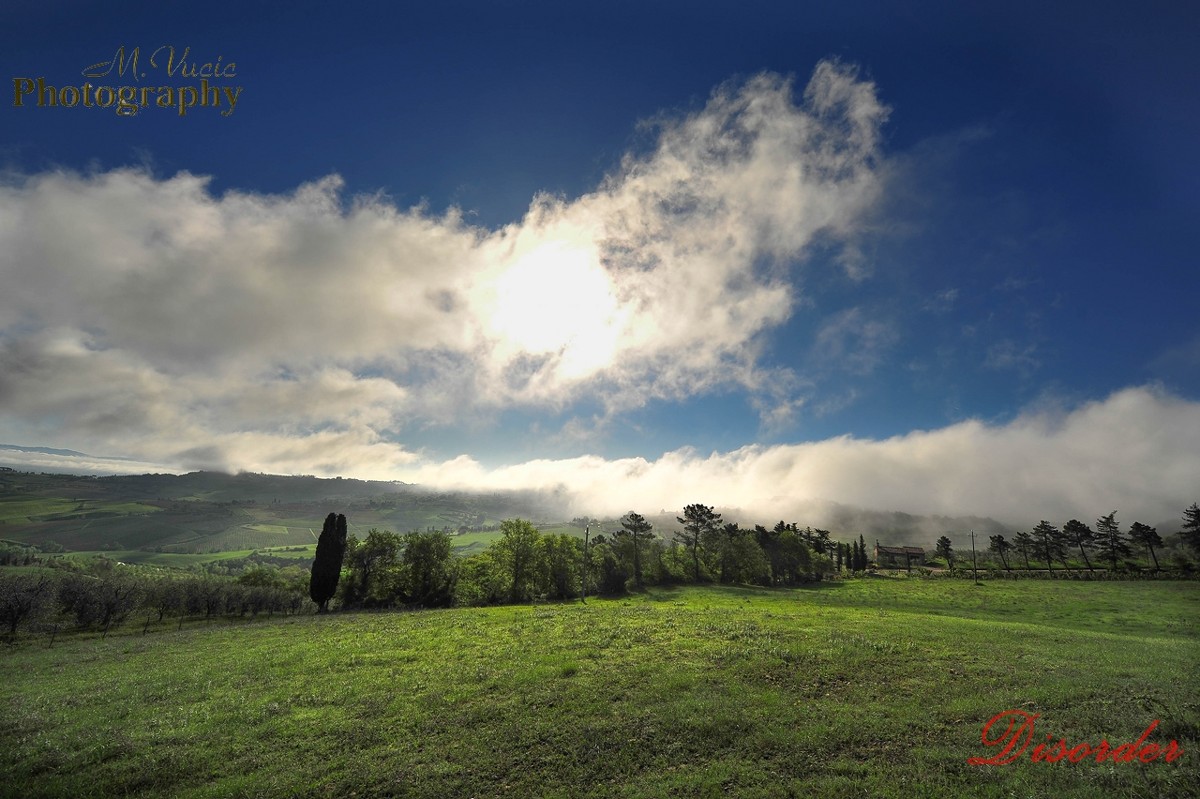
<point x="974" y="571"/>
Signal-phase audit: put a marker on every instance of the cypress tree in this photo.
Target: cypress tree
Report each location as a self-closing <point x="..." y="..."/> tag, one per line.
<point x="327" y="565"/>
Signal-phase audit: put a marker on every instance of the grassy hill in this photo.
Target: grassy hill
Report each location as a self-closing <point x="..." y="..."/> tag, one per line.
<point x="179" y="520"/>
<point x="873" y="687"/>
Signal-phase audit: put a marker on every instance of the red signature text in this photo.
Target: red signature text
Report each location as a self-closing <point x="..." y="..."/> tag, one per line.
<point x="1015" y="738"/>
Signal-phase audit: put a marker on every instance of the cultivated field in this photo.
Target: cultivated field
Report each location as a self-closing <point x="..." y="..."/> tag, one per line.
<point x="867" y="687"/>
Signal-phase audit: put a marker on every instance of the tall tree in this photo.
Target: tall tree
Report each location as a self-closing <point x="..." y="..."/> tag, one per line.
<point x="863" y="560"/>
<point x="1110" y="543"/>
<point x="1079" y="534"/>
<point x="771" y="544"/>
<point x="944" y="549"/>
<point x="327" y="564"/>
<point x="1000" y="546"/>
<point x="428" y="569"/>
<point x="722" y="542"/>
<point x="370" y="569"/>
<point x="1190" y="532"/>
<point x="1024" y="543"/>
<point x="518" y="549"/>
<point x="699" y="522"/>
<point x="638" y="529"/>
<point x="1148" y="537"/>
<point x="1049" y="542"/>
<point x="794" y="557"/>
<point x="562" y="555"/>
<point x="821" y="542"/>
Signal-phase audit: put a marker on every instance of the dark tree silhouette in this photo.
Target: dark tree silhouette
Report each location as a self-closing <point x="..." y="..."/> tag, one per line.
<point x="724" y="542"/>
<point x="21" y="596"/>
<point x="1190" y="533"/>
<point x="327" y="565"/>
<point x="1111" y="543"/>
<point x="1000" y="546"/>
<point x="1148" y="537"/>
<point x="1024" y="544"/>
<point x="945" y="550"/>
<point x="1082" y="536"/>
<point x="1049" y="542"/>
<point x="637" y="528"/>
<point x="771" y="545"/>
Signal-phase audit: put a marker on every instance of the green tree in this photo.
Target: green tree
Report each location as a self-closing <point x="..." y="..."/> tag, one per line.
<point x="518" y="551"/>
<point x="166" y="595"/>
<point x="371" y="578"/>
<point x="637" y="529"/>
<point x="1049" y="542"/>
<point x="1024" y="543"/>
<point x="1148" y="537"/>
<point x="611" y="573"/>
<point x="725" y="544"/>
<point x="428" y="573"/>
<point x="1190" y="532"/>
<point x="795" y="559"/>
<point x="1110" y="543"/>
<point x="944" y="549"/>
<point x="483" y="579"/>
<point x="22" y="597"/>
<point x="821" y="543"/>
<point x="1079" y="534"/>
<point x="327" y="564"/>
<point x="769" y="543"/>
<point x="699" y="522"/>
<point x="1000" y="546"/>
<point x="561" y="554"/>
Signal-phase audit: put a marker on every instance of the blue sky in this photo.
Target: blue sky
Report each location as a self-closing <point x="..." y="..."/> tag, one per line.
<point x="633" y="249"/>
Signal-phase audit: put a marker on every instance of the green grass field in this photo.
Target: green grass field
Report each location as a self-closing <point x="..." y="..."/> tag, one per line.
<point x="874" y="687"/>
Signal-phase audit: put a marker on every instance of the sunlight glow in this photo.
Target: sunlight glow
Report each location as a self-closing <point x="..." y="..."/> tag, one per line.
<point x="557" y="298"/>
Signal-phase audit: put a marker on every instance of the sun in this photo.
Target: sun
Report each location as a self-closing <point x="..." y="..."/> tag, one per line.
<point x="557" y="298"/>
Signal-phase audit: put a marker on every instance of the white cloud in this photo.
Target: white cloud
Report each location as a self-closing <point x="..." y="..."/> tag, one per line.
<point x="153" y="316"/>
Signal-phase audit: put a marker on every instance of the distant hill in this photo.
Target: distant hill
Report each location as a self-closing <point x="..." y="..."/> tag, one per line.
<point x="207" y="512"/>
<point x="46" y="451"/>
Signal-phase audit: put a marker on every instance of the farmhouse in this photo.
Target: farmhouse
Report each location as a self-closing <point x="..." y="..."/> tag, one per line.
<point x="898" y="557"/>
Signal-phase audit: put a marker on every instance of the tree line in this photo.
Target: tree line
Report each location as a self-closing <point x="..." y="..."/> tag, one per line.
<point x="1106" y="543"/>
<point x="420" y="569"/>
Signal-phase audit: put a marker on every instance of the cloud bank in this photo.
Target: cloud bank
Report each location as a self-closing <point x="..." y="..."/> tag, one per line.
<point x="1137" y="452"/>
